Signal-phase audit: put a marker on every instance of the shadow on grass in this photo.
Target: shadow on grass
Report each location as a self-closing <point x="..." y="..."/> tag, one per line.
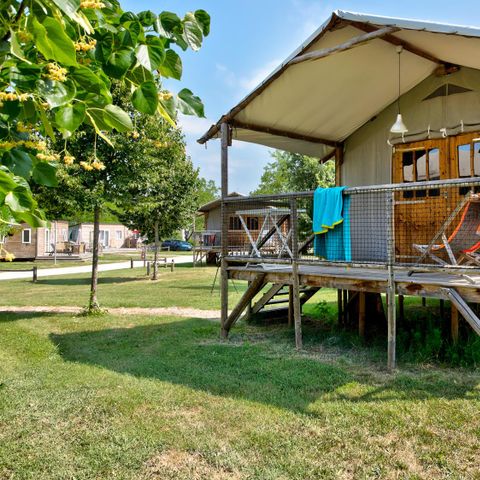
<point x="86" y="280"/>
<point x="186" y="353"/>
<point x="7" y="316"/>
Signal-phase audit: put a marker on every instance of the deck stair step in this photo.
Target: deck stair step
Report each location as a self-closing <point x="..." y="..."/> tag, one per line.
<point x="277" y="302"/>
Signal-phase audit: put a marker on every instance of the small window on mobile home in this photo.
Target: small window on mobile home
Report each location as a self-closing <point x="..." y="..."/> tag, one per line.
<point x="252" y="223"/>
<point x="464" y="163"/>
<point x="235" y="223"/>
<point x="26" y="235"/>
<point x="421" y="166"/>
<point x="119" y="234"/>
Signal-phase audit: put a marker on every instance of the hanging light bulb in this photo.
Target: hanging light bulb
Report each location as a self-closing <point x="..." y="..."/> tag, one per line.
<point x="399" y="126"/>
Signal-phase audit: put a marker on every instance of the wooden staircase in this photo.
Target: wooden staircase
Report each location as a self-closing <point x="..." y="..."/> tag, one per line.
<point x="278" y="295"/>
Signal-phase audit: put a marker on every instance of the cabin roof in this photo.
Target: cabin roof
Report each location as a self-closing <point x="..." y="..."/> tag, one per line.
<point x="310" y="106"/>
<point x="207" y="207"/>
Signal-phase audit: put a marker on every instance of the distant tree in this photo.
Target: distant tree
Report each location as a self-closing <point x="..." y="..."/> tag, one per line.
<point x="207" y="191"/>
<point x="292" y="172"/>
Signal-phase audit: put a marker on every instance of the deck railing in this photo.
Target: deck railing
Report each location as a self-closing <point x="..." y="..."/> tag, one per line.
<point x="433" y="224"/>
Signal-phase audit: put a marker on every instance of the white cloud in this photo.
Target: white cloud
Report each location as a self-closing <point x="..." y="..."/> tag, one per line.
<point x="194" y="126"/>
<point x="253" y="79"/>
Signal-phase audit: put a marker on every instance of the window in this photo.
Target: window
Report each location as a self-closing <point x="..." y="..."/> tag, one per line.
<point x="119" y="234"/>
<point x="26" y="235"/>
<point x="64" y="234"/>
<point x="421" y="166"/>
<point x="235" y="223"/>
<point x="252" y="223"/>
<point x="468" y="162"/>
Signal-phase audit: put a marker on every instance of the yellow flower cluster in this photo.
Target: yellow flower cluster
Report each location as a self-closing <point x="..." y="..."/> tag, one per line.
<point x="56" y="73"/>
<point x="84" y="46"/>
<point x="95" y="165"/>
<point x="91" y="4"/>
<point x="165" y="96"/>
<point x="22" y="128"/>
<point x="134" y="134"/>
<point x="33" y="144"/>
<point x="48" y="157"/>
<point x="158" y="144"/>
<point x="12" y="96"/>
<point x="24" y="36"/>
<point x="68" y="159"/>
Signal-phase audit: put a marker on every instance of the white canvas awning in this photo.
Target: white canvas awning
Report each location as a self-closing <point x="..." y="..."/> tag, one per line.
<point x="310" y="106"/>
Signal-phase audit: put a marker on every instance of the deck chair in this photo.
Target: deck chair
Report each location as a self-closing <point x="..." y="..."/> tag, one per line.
<point x="462" y="244"/>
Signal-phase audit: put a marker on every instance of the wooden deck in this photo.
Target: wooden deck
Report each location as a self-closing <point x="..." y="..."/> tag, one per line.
<point x="359" y="279"/>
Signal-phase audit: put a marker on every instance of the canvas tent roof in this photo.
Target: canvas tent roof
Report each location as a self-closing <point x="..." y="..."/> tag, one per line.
<point x="310" y="106"/>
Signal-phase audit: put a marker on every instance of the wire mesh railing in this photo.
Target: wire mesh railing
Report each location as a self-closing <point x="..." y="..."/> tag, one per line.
<point x="418" y="224"/>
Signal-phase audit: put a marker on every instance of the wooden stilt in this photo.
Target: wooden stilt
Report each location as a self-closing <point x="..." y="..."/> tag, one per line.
<point x="290" y="306"/>
<point x="297" y="307"/>
<point x="401" y="309"/>
<point x="454" y="321"/>
<point x="361" y="314"/>
<point x="391" y="289"/>
<point x="339" y="307"/>
<point x="424" y="302"/>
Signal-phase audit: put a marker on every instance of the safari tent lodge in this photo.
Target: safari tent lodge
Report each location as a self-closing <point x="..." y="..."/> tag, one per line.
<point x="396" y="104"/>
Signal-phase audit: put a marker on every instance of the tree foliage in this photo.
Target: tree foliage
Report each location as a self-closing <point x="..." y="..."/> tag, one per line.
<point x="292" y="172"/>
<point x="58" y="59"/>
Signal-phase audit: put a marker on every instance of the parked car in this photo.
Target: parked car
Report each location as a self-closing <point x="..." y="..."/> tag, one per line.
<point x="177" y="245"/>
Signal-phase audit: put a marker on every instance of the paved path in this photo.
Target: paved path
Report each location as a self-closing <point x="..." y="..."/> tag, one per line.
<point x="103" y="267"/>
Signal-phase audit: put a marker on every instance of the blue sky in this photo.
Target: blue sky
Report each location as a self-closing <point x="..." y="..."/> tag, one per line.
<point x="248" y="40"/>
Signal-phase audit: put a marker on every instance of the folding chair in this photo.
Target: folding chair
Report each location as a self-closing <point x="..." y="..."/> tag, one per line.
<point x="462" y="244"/>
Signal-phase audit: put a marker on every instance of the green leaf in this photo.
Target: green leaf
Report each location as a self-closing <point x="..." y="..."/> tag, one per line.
<point x="117" y="118"/>
<point x="119" y="62"/>
<point x="46" y="123"/>
<point x="56" y="93"/>
<point x="168" y="24"/>
<point x="6" y="180"/>
<point x="189" y="104"/>
<point x="71" y="9"/>
<point x="52" y="41"/>
<point x="95" y="116"/>
<point x="163" y="112"/>
<point x="192" y="33"/>
<point x="19" y="162"/>
<point x="139" y="75"/>
<point x="45" y="173"/>
<point x="172" y="65"/>
<point x="90" y="81"/>
<point x="147" y="18"/>
<point x="33" y="218"/>
<point x="145" y="98"/>
<point x="203" y="19"/>
<point x="152" y="54"/>
<point x="70" y="117"/>
<point x="19" y="200"/>
<point x="15" y="47"/>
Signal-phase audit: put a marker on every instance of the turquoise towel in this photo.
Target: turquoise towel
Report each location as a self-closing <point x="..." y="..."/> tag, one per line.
<point x="331" y="224"/>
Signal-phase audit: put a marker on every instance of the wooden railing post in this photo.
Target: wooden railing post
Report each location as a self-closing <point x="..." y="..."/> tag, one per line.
<point x="297" y="308"/>
<point x="34" y="273"/>
<point x="391" y="289"/>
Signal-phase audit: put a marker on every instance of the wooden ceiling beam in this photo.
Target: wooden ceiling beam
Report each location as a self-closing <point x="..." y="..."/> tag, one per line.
<point x="342" y="47"/>
<point x="281" y="133"/>
<point x="366" y="27"/>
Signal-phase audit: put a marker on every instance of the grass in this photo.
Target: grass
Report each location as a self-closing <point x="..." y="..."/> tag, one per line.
<point x="161" y="398"/>
<point x="186" y="287"/>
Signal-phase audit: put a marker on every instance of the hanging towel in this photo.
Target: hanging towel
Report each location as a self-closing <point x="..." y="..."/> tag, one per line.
<point x="331" y="224"/>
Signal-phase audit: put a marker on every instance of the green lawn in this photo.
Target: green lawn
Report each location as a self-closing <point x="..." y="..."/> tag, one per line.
<point x="186" y="287"/>
<point x="161" y="398"/>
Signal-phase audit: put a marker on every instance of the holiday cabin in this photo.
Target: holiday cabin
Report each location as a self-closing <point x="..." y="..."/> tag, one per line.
<point x="396" y="104"/>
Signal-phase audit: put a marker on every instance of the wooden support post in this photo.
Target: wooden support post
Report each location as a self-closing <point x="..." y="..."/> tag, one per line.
<point x="297" y="307"/>
<point x="223" y="263"/>
<point x="339" y="307"/>
<point x="361" y="314"/>
<point x="131" y="263"/>
<point x="290" y="305"/>
<point x="34" y="274"/>
<point x="391" y="288"/>
<point x="424" y="302"/>
<point x="345" y="307"/>
<point x="248" y="313"/>
<point x="454" y="321"/>
<point x="401" y="309"/>
<point x="172" y="265"/>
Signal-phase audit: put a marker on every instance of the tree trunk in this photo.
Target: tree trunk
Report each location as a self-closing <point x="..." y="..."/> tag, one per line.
<point x="155" y="258"/>
<point x="93" y="305"/>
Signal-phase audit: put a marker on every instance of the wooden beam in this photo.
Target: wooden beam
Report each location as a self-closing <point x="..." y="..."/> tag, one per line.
<point x="327" y="157"/>
<point x="454" y="324"/>
<point x="399" y="42"/>
<point x="338" y="164"/>
<point x="348" y="45"/>
<point x="266" y="297"/>
<point x="297" y="307"/>
<point x="282" y="133"/>
<point x="361" y="314"/>
<point x="255" y="286"/>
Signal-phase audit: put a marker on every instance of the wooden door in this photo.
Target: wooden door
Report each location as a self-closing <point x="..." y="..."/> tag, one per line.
<point x="418" y="213"/>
